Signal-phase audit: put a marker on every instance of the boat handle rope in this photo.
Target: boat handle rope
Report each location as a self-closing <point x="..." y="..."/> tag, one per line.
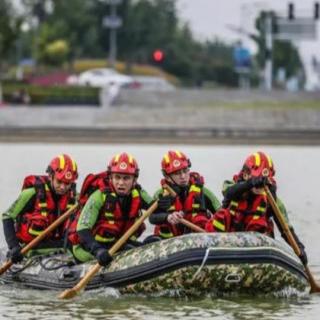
<point x="204" y="260"/>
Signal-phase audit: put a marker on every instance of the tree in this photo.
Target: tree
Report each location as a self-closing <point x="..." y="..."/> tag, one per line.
<point x="9" y="28"/>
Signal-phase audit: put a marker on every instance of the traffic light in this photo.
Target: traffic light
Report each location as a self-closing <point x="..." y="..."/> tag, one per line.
<point x="316" y="11"/>
<point x="290" y="11"/>
<point x="158" y="55"/>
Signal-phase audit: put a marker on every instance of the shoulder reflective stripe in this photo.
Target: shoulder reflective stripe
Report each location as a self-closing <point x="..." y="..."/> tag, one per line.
<point x="62" y="162"/>
<point x="195" y="189"/>
<point x="135" y="193"/>
<point x="113" y="194"/>
<point x="34" y="232"/>
<point x="43" y="204"/>
<point x="104" y="239"/>
<point x="219" y="225"/>
<point x="109" y="214"/>
<point x="166" y="234"/>
<point x="262" y="209"/>
<point x="255" y="217"/>
<point x="104" y="197"/>
<point x="234" y="203"/>
<point x="232" y="212"/>
<point x="44" y="213"/>
<point x="257" y="159"/>
<point x="46" y="187"/>
<point x="196" y="205"/>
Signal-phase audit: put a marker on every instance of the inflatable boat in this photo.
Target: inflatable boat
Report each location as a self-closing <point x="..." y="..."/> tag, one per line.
<point x="193" y="264"/>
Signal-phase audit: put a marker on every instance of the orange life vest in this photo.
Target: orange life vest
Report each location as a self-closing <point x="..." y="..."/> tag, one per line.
<point x="46" y="209"/>
<point x="192" y="206"/>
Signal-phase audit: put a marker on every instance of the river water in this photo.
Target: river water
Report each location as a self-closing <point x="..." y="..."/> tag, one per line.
<point x="297" y="172"/>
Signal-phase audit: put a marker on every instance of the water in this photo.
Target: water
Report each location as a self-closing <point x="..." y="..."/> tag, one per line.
<point x="297" y="174"/>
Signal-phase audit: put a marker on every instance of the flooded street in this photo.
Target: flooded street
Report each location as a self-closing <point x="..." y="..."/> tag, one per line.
<point x="297" y="174"/>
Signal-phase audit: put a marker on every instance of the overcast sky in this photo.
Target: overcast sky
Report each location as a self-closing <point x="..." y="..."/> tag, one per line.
<point x="210" y="18"/>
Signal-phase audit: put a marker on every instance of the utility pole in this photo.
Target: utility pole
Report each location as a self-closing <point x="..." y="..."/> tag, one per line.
<point x="113" y="22"/>
<point x="269" y="48"/>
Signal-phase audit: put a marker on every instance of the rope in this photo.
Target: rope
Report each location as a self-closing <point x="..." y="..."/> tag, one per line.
<point x="204" y="260"/>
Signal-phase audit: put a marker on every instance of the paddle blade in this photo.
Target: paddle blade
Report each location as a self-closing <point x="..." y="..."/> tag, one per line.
<point x="314" y="287"/>
<point x="69" y="293"/>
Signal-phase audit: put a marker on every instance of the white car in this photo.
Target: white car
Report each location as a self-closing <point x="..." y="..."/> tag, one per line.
<point x="102" y="77"/>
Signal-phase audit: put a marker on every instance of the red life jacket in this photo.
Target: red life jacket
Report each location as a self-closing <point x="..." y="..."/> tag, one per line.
<point x="46" y="209"/>
<point x="111" y="220"/>
<point x="91" y="183"/>
<point x="243" y="215"/>
<point x="192" y="206"/>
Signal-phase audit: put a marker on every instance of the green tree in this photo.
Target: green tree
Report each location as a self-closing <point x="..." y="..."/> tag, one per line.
<point x="9" y="29"/>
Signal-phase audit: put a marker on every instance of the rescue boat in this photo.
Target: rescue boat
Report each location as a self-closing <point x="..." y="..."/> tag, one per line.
<point x="192" y="264"/>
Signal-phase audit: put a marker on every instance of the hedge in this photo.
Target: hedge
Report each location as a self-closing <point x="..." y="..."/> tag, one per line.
<point x="68" y="95"/>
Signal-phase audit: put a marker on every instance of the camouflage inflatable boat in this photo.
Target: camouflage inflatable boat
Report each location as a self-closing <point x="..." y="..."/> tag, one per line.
<point x="193" y="264"/>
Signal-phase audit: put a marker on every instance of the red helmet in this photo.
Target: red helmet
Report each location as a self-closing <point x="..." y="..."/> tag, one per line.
<point x="124" y="163"/>
<point x="64" y="168"/>
<point x="174" y="161"/>
<point x="259" y="164"/>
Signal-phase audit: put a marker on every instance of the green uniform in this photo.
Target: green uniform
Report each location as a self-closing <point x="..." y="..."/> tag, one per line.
<point x="90" y="215"/>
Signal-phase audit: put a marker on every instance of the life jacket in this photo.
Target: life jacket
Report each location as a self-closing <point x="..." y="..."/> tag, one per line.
<point x="112" y="222"/>
<point x="46" y="209"/>
<point x="193" y="206"/>
<point x="91" y="183"/>
<point x="248" y="214"/>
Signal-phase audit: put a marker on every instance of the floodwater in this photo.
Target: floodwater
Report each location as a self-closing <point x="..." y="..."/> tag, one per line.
<point x="297" y="172"/>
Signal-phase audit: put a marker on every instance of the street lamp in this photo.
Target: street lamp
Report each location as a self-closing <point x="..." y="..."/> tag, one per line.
<point x="113" y="22"/>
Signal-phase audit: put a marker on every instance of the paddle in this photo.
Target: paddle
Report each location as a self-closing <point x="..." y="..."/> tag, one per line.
<point x="187" y="223"/>
<point x="40" y="237"/>
<point x="70" y="293"/>
<point x="285" y="228"/>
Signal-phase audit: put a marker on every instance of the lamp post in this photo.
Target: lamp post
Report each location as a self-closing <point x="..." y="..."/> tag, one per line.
<point x="113" y="22"/>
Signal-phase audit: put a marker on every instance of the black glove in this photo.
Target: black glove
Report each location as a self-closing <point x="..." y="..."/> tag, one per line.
<point x="103" y="256"/>
<point x="15" y="255"/>
<point x="303" y="256"/>
<point x="258" y="182"/>
<point x="165" y="202"/>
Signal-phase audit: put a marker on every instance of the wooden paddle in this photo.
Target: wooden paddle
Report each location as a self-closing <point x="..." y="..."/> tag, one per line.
<point x="285" y="228"/>
<point x="70" y="293"/>
<point x="40" y="237"/>
<point x="187" y="223"/>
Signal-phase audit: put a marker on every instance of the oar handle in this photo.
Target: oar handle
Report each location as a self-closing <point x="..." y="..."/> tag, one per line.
<point x="70" y="293"/>
<point x="40" y="237"/>
<point x="187" y="223"/>
<point x="191" y="225"/>
<point x="282" y="221"/>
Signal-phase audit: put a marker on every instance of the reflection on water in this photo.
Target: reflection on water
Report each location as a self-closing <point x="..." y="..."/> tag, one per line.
<point x="297" y="174"/>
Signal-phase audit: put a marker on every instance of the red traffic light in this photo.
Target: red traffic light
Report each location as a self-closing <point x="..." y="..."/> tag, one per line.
<point x="158" y="55"/>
